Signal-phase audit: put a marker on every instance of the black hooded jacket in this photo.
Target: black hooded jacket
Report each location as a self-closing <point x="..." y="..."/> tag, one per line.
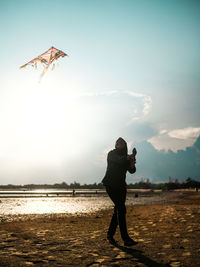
<point x="117" y="167"/>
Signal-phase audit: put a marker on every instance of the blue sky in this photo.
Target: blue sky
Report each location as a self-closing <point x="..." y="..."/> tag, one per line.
<point x="132" y="71"/>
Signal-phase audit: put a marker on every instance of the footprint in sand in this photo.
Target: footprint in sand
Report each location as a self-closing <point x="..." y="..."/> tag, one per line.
<point x="28" y="263"/>
<point x="144" y="228"/>
<point x="167" y="246"/>
<point x="95" y="234"/>
<point x="186" y="254"/>
<point x="106" y="257"/>
<point x="94" y="264"/>
<point x="100" y="260"/>
<point x="175" y="264"/>
<point x="94" y="254"/>
<point x="44" y="252"/>
<point x="4" y="235"/>
<point x="11" y="249"/>
<point x="78" y="256"/>
<point x="119" y="256"/>
<point x="147" y="241"/>
<point x="20" y="254"/>
<point x="176" y="235"/>
<point x="122" y="255"/>
<point x="51" y="258"/>
<point x="136" y="233"/>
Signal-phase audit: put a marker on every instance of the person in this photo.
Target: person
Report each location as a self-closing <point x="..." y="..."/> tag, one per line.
<point x="118" y="163"/>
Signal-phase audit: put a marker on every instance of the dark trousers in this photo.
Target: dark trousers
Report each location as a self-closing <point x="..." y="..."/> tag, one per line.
<point x="118" y="196"/>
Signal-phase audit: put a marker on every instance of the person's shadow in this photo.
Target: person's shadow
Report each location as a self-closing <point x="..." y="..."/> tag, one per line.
<point x="140" y="257"/>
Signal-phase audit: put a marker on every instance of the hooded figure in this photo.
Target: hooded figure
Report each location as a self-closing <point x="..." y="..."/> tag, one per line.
<point x="118" y="163"/>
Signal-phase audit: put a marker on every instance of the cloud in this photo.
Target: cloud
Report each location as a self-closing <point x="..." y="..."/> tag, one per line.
<point x="175" y="139"/>
<point x="186" y="133"/>
<point x="147" y="102"/>
<point x="136" y="105"/>
<point x="159" y="165"/>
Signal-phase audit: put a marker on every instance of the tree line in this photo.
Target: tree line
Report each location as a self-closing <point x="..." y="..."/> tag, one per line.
<point x="143" y="184"/>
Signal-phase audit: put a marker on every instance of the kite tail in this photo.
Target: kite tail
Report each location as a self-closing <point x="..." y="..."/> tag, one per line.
<point x="43" y="73"/>
<point x="53" y="67"/>
<point x="24" y="66"/>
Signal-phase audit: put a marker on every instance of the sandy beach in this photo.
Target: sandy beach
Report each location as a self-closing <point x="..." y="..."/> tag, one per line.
<point x="168" y="234"/>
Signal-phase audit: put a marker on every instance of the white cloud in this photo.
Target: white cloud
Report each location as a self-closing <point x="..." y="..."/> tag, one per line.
<point x="185" y="133"/>
<point x="147" y="103"/>
<point x="134" y="106"/>
<point x="145" y="99"/>
<point x="163" y="131"/>
<point x="175" y="139"/>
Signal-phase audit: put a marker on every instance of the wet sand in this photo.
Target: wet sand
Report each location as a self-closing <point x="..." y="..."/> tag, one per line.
<point x="168" y="234"/>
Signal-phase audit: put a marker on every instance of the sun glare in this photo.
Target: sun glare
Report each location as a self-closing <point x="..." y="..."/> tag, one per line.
<point x="44" y="123"/>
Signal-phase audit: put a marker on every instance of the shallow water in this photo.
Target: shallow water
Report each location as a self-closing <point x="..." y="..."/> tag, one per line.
<point x="75" y="204"/>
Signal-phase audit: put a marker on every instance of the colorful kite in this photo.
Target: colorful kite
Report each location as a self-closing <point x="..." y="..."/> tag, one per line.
<point x="46" y="59"/>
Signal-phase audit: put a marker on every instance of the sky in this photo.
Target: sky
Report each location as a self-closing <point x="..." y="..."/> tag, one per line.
<point x="132" y="71"/>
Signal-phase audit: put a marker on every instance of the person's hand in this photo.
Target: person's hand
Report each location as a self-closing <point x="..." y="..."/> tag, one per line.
<point x="134" y="151"/>
<point x="132" y="159"/>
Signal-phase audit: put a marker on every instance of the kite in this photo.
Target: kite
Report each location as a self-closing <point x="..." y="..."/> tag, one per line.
<point x="46" y="59"/>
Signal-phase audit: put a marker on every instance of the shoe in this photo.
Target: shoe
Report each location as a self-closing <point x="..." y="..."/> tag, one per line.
<point x="111" y="239"/>
<point x="130" y="242"/>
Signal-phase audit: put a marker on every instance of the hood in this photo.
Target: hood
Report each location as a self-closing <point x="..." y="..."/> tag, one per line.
<point x="123" y="151"/>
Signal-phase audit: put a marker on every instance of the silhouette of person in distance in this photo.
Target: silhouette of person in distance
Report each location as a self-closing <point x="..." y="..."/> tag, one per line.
<point x="118" y="163"/>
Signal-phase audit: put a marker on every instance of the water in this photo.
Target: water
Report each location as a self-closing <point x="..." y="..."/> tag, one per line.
<point x="75" y="204"/>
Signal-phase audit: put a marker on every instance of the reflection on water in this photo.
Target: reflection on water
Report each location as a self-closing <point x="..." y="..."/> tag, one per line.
<point x="52" y="205"/>
<point x="72" y="205"/>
